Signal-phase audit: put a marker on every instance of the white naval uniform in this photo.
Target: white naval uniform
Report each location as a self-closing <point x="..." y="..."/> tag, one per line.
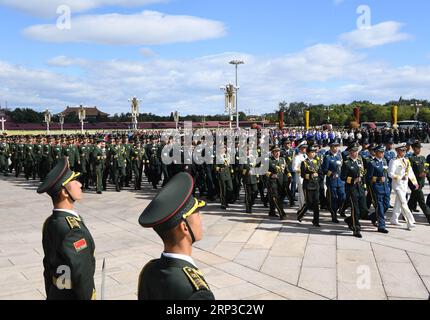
<point x="297" y="164"/>
<point x="398" y="169"/>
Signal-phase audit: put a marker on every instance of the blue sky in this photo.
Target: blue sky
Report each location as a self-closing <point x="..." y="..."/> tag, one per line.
<point x="175" y="55"/>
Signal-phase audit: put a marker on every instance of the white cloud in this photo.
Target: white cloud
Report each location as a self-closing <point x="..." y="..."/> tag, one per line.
<point x="377" y="35"/>
<point x="146" y="28"/>
<point x="48" y="8"/>
<point x="319" y="74"/>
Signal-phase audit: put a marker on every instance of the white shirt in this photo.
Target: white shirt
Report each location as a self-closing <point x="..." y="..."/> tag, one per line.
<point x="179" y="256"/>
<point x="69" y="211"/>
<point x="297" y="162"/>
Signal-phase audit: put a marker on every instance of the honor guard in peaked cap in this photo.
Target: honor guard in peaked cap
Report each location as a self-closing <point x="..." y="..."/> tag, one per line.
<point x="173" y="214"/>
<point x="68" y="246"/>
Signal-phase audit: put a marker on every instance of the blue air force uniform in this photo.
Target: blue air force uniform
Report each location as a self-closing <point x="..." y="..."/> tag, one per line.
<point x="377" y="176"/>
<point x="331" y="167"/>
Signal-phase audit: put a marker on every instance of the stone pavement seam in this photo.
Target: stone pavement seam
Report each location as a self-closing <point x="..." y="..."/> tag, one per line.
<point x="379" y="271"/>
<point x="303" y="258"/>
<point x="416" y="270"/>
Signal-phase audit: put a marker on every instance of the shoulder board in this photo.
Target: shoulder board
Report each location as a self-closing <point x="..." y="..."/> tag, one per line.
<point x="73" y="222"/>
<point x="196" y="278"/>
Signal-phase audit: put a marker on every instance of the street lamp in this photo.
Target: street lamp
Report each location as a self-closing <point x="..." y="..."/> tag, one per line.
<point x="135" y="111"/>
<point x="417" y="109"/>
<point x="230" y="100"/>
<point x="328" y="110"/>
<point x="47" y="120"/>
<point x="236" y="63"/>
<point x="61" y="117"/>
<point x="82" y="116"/>
<point x="176" y="118"/>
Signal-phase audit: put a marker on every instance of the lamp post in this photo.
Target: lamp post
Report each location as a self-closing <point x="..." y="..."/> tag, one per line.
<point x="47" y="119"/>
<point x="61" y="117"/>
<point x="230" y="100"/>
<point x="328" y="110"/>
<point x="417" y="109"/>
<point x="176" y="118"/>
<point x="236" y="63"/>
<point x="135" y="111"/>
<point x="82" y="117"/>
<point x="3" y="120"/>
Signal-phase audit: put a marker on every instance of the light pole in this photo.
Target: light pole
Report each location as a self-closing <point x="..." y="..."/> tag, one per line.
<point x="417" y="109"/>
<point x="135" y="111"/>
<point x="82" y="117"/>
<point x="61" y="117"/>
<point x="236" y="63"/>
<point x="328" y="110"/>
<point x="3" y="120"/>
<point x="230" y="100"/>
<point x="47" y="119"/>
<point x="176" y="118"/>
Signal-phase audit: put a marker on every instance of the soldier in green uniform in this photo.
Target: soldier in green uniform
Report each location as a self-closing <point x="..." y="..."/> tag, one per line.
<point x="82" y="163"/>
<point x="174" y="215"/>
<point x="99" y="158"/>
<point x="309" y="172"/>
<point x="57" y="152"/>
<point x="277" y="178"/>
<point x="46" y="160"/>
<point x="19" y="156"/>
<point x="354" y="174"/>
<point x="224" y="172"/>
<point x="250" y="182"/>
<point x="71" y="152"/>
<point x="421" y="171"/>
<point x="288" y="154"/>
<point x="4" y="157"/>
<point x="69" y="262"/>
<point x="37" y="156"/>
<point x="28" y="158"/>
<point x="138" y="158"/>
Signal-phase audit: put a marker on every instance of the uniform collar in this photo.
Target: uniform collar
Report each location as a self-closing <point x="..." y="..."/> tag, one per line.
<point x="68" y="211"/>
<point x="180" y="257"/>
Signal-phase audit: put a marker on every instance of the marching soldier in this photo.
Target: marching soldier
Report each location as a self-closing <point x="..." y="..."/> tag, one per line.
<point x="84" y="158"/>
<point x="224" y="172"/>
<point x="37" y="156"/>
<point x="401" y="172"/>
<point x="28" y="159"/>
<point x="353" y="173"/>
<point x="377" y="176"/>
<point x="332" y="166"/>
<point x="277" y="175"/>
<point x="250" y="182"/>
<point x="99" y="158"/>
<point x="69" y="262"/>
<point x="297" y="164"/>
<point x="4" y="157"/>
<point x="138" y="158"/>
<point x="421" y="171"/>
<point x="309" y="174"/>
<point x="46" y="161"/>
<point x="288" y="154"/>
<point x="174" y="215"/>
<point x="118" y="162"/>
<point x="57" y="152"/>
<point x="19" y="157"/>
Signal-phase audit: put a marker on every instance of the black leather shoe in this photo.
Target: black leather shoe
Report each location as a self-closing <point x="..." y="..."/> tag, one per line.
<point x="384" y="231"/>
<point x="283" y="217"/>
<point x="335" y="221"/>
<point x="316" y="225"/>
<point x="99" y="192"/>
<point x="358" y="235"/>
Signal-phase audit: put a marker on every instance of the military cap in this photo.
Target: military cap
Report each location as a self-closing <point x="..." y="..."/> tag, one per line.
<point x="173" y="204"/>
<point x="274" y="148"/>
<point x="401" y="146"/>
<point x="390" y="141"/>
<point x="335" y="143"/>
<point x="379" y="148"/>
<point x="417" y="144"/>
<point x="311" y="149"/>
<point x="303" y="144"/>
<point x="57" y="178"/>
<point x="353" y="147"/>
<point x="409" y="142"/>
<point x="365" y="142"/>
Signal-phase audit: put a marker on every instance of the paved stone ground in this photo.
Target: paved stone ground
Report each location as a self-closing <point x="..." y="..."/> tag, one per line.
<point x="242" y="256"/>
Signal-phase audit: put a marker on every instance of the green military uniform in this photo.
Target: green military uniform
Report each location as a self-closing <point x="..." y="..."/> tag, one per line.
<point x="277" y="181"/>
<point x="173" y="276"/>
<point x="69" y="262"/>
<point x="118" y="162"/>
<point x="250" y="182"/>
<point x="46" y="161"/>
<point x="224" y="172"/>
<point x="138" y="158"/>
<point x="82" y="167"/>
<point x="421" y="171"/>
<point x="4" y="156"/>
<point x="99" y="157"/>
<point x="354" y="174"/>
<point x="71" y="152"/>
<point x="57" y="154"/>
<point x="19" y="158"/>
<point x="309" y="173"/>
<point x="28" y="160"/>
<point x="37" y="157"/>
